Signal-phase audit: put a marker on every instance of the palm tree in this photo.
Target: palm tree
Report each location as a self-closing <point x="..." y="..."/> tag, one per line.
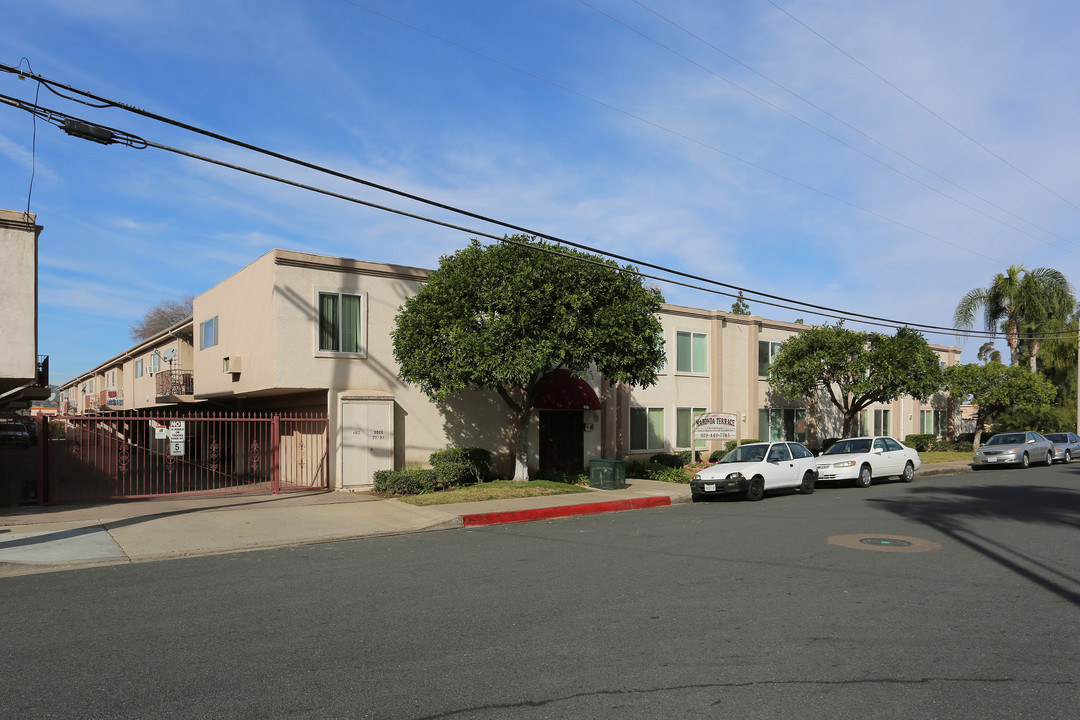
<point x="1021" y="300"/>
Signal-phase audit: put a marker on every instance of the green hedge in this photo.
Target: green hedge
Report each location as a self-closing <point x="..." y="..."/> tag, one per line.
<point x="656" y="471"/>
<point x="410" y="481"/>
<point x="457" y="466"/>
<point x="921" y="441"/>
<point x="730" y="445"/>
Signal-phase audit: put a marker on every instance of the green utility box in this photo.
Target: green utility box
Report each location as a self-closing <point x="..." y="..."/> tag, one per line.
<point x="607" y="474"/>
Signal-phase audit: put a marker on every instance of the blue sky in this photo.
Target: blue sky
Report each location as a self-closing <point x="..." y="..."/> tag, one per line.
<point x="729" y="140"/>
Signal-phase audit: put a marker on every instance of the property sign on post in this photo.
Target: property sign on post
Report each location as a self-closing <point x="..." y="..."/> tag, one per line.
<point x="715" y="426"/>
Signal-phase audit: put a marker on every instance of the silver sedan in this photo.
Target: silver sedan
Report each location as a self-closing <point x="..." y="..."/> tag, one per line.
<point x="1066" y="446"/>
<point x="1014" y="448"/>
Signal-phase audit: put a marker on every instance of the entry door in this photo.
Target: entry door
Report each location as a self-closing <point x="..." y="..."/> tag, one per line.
<point x="562" y="440"/>
<point x="367" y="440"/>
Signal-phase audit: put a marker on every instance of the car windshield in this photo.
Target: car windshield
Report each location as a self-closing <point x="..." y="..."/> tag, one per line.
<point x="746" y="453"/>
<point x="1058" y="438"/>
<point x="1007" y="439"/>
<point x="856" y="445"/>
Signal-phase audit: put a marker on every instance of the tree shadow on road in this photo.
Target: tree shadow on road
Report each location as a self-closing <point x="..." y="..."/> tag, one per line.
<point x="952" y="511"/>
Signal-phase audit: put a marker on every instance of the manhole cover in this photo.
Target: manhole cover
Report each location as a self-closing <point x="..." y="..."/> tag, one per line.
<point x="883" y="543"/>
<point x="895" y="542"/>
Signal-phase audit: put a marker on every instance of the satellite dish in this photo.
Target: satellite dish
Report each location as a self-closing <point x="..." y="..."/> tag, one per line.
<point x="168" y="355"/>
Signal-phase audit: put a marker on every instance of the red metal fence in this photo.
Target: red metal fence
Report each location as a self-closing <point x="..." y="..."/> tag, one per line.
<point x="128" y="456"/>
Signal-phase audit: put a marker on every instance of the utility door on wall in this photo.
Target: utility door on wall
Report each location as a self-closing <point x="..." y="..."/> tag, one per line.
<point x="367" y="440"/>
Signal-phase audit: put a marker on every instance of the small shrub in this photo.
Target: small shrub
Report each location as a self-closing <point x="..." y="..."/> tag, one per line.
<point x="732" y="444"/>
<point x="568" y="478"/>
<point x="656" y="471"/>
<point x="457" y="466"/>
<point x="410" y="481"/>
<point x="921" y="441"/>
<point x="828" y="443"/>
<point x="667" y="459"/>
<point x="717" y="455"/>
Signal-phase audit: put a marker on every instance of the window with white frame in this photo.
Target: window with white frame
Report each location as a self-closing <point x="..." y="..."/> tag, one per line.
<point x="691" y="352"/>
<point x="646" y="429"/>
<point x="932" y="422"/>
<point x="341" y="323"/>
<point x="882" y="421"/>
<point x="155" y="361"/>
<point x="782" y="424"/>
<point x="139" y="368"/>
<point x="766" y="352"/>
<point x="208" y="333"/>
<point x="684" y="427"/>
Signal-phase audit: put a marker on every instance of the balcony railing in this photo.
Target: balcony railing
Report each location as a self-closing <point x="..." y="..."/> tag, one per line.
<point x="174" y="383"/>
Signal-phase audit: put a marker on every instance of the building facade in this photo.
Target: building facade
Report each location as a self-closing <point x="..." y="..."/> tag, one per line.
<point x="299" y="332"/>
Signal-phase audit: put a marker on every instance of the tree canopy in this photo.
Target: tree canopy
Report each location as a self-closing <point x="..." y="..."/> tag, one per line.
<point x="855" y="369"/>
<point x="502" y="317"/>
<point x="740" y="306"/>
<point x="161" y="317"/>
<point x="1024" y="302"/>
<point x="995" y="388"/>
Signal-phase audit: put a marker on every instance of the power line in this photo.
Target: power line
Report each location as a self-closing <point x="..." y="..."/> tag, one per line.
<point x="94" y="132"/>
<point x="846" y="124"/>
<point x="924" y="107"/>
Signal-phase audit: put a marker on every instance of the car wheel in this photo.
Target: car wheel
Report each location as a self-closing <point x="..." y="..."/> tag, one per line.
<point x="756" y="490"/>
<point x="1049" y="458"/>
<point x="807" y="486"/>
<point x="909" y="472"/>
<point x="864" y="477"/>
<point x="1068" y="457"/>
<point x="1025" y="462"/>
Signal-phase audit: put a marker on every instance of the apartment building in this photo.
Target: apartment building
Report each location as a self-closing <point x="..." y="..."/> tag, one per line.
<point x="299" y="332"/>
<point x="24" y="375"/>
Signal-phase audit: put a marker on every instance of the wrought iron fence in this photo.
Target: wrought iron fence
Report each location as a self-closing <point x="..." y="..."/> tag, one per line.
<point x="144" y="455"/>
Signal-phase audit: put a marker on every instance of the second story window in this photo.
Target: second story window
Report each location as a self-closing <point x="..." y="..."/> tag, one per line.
<point x="139" y="368"/>
<point x="208" y="333"/>
<point x="340" y="323"/>
<point x="691" y="354"/>
<point x="766" y="353"/>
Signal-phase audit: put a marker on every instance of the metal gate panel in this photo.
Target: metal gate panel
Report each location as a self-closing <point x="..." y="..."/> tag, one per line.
<point x="129" y="456"/>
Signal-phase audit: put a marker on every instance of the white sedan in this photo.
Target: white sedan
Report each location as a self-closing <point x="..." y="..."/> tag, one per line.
<point x="862" y="459"/>
<point x="752" y="469"/>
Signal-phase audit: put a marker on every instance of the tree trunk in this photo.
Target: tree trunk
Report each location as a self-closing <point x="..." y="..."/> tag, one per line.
<point x="1012" y="336"/>
<point x="1033" y="351"/>
<point x="521" y="447"/>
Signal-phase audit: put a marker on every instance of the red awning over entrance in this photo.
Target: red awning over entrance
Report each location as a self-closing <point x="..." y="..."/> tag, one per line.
<point x="566" y="392"/>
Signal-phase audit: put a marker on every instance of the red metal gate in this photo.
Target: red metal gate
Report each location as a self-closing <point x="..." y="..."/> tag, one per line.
<point x="109" y="457"/>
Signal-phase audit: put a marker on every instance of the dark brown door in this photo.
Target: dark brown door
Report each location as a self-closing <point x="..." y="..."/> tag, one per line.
<point x="562" y="440"/>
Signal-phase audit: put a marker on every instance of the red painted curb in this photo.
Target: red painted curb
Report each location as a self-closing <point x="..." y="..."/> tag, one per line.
<point x="516" y="516"/>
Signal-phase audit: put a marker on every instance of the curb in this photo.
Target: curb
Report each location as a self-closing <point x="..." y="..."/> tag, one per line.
<point x="516" y="516"/>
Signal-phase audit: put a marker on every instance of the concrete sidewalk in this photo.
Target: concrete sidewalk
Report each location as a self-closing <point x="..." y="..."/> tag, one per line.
<point x="44" y="539"/>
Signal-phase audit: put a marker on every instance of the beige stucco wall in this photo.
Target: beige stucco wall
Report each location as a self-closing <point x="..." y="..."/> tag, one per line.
<point x="18" y="299"/>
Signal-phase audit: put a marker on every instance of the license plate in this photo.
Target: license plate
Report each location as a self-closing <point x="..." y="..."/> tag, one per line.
<point x="710" y="487"/>
<point x="991" y="459"/>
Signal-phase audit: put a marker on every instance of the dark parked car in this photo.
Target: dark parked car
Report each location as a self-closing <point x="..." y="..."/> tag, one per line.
<point x="13" y="433"/>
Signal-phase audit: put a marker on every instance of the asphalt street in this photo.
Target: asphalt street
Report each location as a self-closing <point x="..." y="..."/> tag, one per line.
<point x="951" y="597"/>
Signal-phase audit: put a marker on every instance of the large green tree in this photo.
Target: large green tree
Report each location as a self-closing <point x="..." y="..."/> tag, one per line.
<point x="1022" y="301"/>
<point x="855" y="369"/>
<point x="994" y="388"/>
<point x="502" y="317"/>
